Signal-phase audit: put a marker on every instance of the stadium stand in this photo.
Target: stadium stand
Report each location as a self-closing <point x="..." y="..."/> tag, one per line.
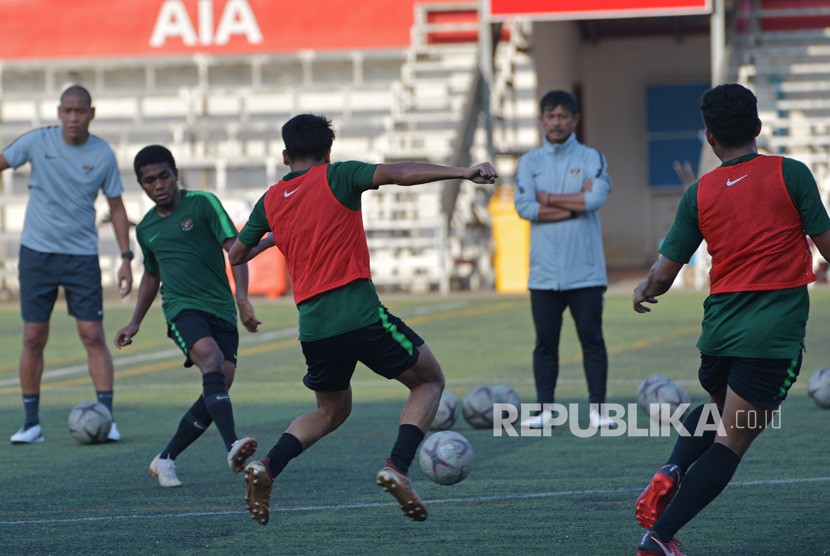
<point x="785" y="59"/>
<point x="221" y="116"/>
<point x="435" y="117"/>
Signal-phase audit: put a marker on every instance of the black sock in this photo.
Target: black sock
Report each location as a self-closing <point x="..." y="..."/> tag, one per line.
<point x="194" y="423"/>
<point x="403" y="452"/>
<point x="688" y="449"/>
<point x="287" y="448"/>
<point x="105" y="397"/>
<point x="705" y="480"/>
<point x="31" y="404"/>
<point x="218" y="404"/>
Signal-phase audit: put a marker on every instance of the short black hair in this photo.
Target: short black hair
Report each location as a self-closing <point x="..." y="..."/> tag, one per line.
<point x="552" y="99"/>
<point x="153" y="154"/>
<point x="77" y="90"/>
<point x="307" y="137"/>
<point x="730" y="113"/>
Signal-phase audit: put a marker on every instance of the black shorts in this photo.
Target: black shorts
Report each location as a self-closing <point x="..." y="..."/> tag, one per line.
<point x="387" y="347"/>
<point x="762" y="382"/>
<point x="188" y="327"/>
<point x="41" y="274"/>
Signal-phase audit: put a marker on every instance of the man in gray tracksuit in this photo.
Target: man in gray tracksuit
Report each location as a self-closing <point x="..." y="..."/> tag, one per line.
<point x="560" y="188"/>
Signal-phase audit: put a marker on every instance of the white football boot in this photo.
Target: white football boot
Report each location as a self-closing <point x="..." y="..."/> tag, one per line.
<point x="165" y="470"/>
<point x="32" y="435"/>
<point x="114" y="435"/>
<point x="538" y="421"/>
<point x="600" y="420"/>
<point x="240" y="451"/>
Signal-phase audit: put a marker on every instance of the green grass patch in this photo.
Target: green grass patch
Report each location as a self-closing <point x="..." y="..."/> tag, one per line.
<point x="559" y="495"/>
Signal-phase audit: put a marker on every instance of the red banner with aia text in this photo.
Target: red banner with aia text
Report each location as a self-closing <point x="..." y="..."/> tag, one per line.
<point x="50" y="29"/>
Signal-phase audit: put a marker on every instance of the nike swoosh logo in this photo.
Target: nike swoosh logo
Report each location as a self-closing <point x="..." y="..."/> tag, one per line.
<point x="289" y="193"/>
<point x="730" y="183"/>
<point x="221" y="397"/>
<point x="153" y="238"/>
<point x="660" y="544"/>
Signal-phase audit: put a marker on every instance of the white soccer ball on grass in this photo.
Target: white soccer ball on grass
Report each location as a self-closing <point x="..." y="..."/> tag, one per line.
<point x="89" y="423"/>
<point x="446" y="457"/>
<point x="818" y="388"/>
<point x="447" y="412"/>
<point x="506" y="394"/>
<point x="660" y="389"/>
<point x="477" y="407"/>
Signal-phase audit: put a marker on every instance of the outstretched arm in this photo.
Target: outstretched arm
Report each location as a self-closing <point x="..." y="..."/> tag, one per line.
<point x="659" y="280"/>
<point x="147" y="290"/>
<point x="240" y="278"/>
<point x="414" y="173"/>
<point x="239" y="253"/>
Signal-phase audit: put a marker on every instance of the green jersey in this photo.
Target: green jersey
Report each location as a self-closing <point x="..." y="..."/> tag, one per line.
<point x="185" y="250"/>
<point x="754" y="324"/>
<point x="348" y="307"/>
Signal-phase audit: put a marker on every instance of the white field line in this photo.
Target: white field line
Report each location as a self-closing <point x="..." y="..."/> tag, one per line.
<point x="148" y="356"/>
<point x="247" y="339"/>
<point x="368" y="505"/>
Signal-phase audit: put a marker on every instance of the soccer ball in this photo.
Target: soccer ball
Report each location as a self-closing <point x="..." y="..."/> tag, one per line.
<point x="446" y="457"/>
<point x="818" y="388"/>
<point x="660" y="389"/>
<point x="505" y="394"/>
<point x="447" y="412"/>
<point x="477" y="407"/>
<point x="646" y="389"/>
<point x="671" y="393"/>
<point x="89" y="423"/>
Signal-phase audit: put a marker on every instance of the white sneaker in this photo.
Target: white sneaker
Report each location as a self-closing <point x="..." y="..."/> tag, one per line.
<point x="114" y="435"/>
<point x="539" y="421"/>
<point x="601" y="421"/>
<point x="241" y="450"/>
<point x="165" y="470"/>
<point x="32" y="435"/>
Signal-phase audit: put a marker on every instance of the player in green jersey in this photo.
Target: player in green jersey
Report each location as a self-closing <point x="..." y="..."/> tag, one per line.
<point x="182" y="239"/>
<point x="753" y="211"/>
<point x="313" y="214"/>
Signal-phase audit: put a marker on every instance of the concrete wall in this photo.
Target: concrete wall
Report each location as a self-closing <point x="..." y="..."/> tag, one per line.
<point x="613" y="75"/>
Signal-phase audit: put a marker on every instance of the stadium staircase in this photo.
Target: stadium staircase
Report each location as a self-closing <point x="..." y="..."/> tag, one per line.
<point x="782" y="52"/>
<point x="221" y="116"/>
<point x="437" y="237"/>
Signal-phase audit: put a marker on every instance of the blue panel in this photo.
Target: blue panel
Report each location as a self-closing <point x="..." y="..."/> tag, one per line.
<point x="673" y="130"/>
<point x="674" y="107"/>
<point x="661" y="157"/>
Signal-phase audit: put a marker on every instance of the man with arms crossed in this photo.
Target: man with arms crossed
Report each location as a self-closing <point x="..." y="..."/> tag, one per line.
<point x="560" y="188"/>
